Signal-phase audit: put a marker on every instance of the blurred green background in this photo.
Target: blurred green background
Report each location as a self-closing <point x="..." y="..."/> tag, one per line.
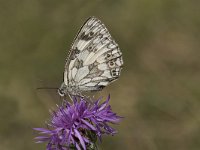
<point x="158" y="92"/>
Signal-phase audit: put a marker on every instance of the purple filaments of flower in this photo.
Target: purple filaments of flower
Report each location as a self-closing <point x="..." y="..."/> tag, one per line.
<point x="77" y="125"/>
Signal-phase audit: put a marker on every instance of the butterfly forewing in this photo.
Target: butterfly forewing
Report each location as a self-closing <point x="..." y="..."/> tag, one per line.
<point x="95" y="59"/>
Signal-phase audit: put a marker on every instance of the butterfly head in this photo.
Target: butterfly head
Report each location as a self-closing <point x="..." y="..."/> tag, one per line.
<point x="62" y="91"/>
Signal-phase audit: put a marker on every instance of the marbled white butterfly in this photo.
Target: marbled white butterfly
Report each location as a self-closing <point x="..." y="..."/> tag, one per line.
<point x="94" y="60"/>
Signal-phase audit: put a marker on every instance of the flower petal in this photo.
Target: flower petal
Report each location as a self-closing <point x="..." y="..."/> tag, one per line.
<point x="88" y="124"/>
<point x="80" y="139"/>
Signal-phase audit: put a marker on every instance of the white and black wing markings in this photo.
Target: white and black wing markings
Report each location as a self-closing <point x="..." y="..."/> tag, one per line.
<point x="95" y="59"/>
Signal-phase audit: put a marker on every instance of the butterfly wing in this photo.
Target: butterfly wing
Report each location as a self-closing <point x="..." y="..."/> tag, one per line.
<point x="95" y="59"/>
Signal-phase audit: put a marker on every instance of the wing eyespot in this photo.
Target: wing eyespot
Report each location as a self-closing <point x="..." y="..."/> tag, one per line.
<point x="111" y="64"/>
<point x="108" y="55"/>
<point x="114" y="73"/>
<point x="90" y="48"/>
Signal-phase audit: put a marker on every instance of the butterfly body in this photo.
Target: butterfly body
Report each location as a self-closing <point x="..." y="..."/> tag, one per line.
<point x="94" y="61"/>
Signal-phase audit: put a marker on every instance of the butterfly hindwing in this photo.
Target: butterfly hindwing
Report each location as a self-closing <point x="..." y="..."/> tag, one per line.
<point x="95" y="59"/>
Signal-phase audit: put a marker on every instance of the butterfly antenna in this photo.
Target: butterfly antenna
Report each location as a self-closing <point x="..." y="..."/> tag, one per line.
<point x="41" y="88"/>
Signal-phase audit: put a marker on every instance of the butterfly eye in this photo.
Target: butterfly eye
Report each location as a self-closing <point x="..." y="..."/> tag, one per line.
<point x="61" y="92"/>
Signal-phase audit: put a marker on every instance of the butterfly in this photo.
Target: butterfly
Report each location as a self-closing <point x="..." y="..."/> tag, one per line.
<point x="94" y="60"/>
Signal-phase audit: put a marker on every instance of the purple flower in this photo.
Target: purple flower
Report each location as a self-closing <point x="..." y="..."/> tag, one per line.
<point x="77" y="125"/>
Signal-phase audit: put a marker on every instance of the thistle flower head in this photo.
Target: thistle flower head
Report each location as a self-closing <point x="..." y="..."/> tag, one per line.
<point x="78" y="125"/>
